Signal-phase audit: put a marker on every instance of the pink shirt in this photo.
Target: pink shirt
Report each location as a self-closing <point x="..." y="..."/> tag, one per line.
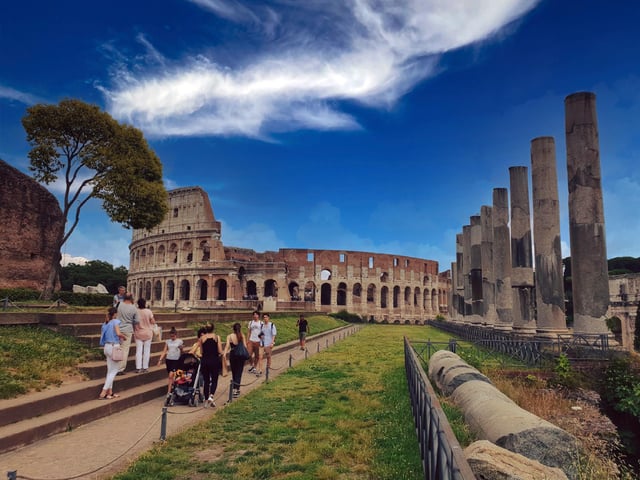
<point x="143" y="329"/>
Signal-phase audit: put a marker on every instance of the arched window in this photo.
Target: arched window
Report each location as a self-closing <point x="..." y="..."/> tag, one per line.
<point x="171" y="294"/>
<point x="325" y="294"/>
<point x="221" y="289"/>
<point x="252" y="290"/>
<point x="416" y="297"/>
<point x="310" y="292"/>
<point x="325" y="274"/>
<point x="342" y="294"/>
<point x="161" y="252"/>
<point x="396" y="296"/>
<point x="147" y="291"/>
<point x="294" y="292"/>
<point x="371" y="294"/>
<point x="407" y="296"/>
<point x="357" y="293"/>
<point x="203" y="289"/>
<point x="270" y="288"/>
<point x="384" y="294"/>
<point x="157" y="291"/>
<point x="185" y="290"/>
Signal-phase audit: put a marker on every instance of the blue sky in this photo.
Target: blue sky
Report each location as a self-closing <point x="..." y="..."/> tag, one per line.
<point x="355" y="124"/>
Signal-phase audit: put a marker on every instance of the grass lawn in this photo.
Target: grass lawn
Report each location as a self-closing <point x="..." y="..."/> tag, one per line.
<point x="341" y="414"/>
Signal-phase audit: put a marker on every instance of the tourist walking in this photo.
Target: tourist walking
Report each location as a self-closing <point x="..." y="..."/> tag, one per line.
<point x="143" y="334"/>
<point x="210" y="364"/>
<point x="172" y="351"/>
<point x="119" y="297"/>
<point x="268" y="334"/>
<point x="110" y="336"/>
<point x="128" y="315"/>
<point x="303" y="330"/>
<point x="237" y="361"/>
<point x="253" y="341"/>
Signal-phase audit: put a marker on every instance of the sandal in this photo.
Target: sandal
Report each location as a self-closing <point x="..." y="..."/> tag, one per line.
<point x="103" y="398"/>
<point x="115" y="395"/>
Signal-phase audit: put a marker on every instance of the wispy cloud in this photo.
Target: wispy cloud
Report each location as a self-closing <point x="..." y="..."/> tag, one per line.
<point x="18" y="96"/>
<point x="314" y="55"/>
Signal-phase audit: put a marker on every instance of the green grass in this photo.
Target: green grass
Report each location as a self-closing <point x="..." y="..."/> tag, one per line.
<point x="342" y="414"/>
<point x="285" y="326"/>
<point x="32" y="358"/>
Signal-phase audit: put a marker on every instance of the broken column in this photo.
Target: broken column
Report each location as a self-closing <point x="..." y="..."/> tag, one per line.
<point x="502" y="259"/>
<point x="477" y="307"/>
<point x="486" y="253"/>
<point x="521" y="255"/>
<point x="550" y="316"/>
<point x="589" y="273"/>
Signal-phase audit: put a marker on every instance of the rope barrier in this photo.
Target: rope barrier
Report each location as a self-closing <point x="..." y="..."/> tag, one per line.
<point x="13" y="475"/>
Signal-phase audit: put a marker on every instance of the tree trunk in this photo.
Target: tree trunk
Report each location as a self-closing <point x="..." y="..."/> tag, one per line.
<point x="52" y="278"/>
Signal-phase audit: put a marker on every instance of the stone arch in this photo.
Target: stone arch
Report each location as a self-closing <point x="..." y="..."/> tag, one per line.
<point x="384" y="277"/>
<point x="356" y="293"/>
<point x="157" y="290"/>
<point x="220" y="289"/>
<point x="206" y="251"/>
<point x="147" y="290"/>
<point x="270" y="288"/>
<point x="185" y="290"/>
<point x="310" y="292"/>
<point x="325" y="294"/>
<point x="434" y="301"/>
<point x="161" y="254"/>
<point x="187" y="251"/>
<point x="416" y="297"/>
<point x="171" y="290"/>
<point x="294" y="292"/>
<point x="202" y="289"/>
<point x="371" y="294"/>
<point x="152" y="253"/>
<point x="425" y="280"/>
<point x="396" y="296"/>
<point x="173" y="253"/>
<point x="138" y="258"/>
<point x="252" y="290"/>
<point x="384" y="297"/>
<point x="140" y="293"/>
<point x="426" y="300"/>
<point x="407" y="295"/>
<point x="325" y="274"/>
<point x="341" y="294"/>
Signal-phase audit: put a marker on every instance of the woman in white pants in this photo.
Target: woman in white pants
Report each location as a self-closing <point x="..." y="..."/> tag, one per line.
<point x="109" y="338"/>
<point x="143" y="332"/>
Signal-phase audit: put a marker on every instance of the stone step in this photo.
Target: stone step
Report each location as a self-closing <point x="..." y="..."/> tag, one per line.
<point x="37" y="404"/>
<point x="69" y="416"/>
<point x="88" y="328"/>
<point x="185" y="334"/>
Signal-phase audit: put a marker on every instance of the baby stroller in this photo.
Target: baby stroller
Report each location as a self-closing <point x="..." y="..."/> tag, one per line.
<point x="186" y="382"/>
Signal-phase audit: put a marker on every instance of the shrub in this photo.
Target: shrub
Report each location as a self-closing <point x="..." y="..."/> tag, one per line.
<point x="621" y="387"/>
<point x="563" y="373"/>
<point x="614" y="324"/>
<point x="347" y="317"/>
<point x="19" y="294"/>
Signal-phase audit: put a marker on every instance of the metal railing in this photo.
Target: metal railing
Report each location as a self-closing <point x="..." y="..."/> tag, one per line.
<point x="442" y="456"/>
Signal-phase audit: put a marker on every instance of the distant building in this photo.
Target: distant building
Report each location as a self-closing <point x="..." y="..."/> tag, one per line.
<point x="182" y="263"/>
<point x="624" y="296"/>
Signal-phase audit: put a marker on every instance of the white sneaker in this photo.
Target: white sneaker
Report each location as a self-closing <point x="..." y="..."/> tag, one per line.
<point x="252" y="369"/>
<point x="210" y="401"/>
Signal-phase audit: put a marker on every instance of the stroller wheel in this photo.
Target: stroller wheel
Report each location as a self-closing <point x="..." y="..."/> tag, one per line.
<point x="194" y="401"/>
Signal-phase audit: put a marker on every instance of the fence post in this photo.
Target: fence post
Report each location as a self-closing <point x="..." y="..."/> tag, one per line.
<point x="290" y="360"/>
<point x="318" y="346"/>
<point x="163" y="425"/>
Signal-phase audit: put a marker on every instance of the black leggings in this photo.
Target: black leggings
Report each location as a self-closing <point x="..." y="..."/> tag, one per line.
<point x="237" y="365"/>
<point x="210" y="371"/>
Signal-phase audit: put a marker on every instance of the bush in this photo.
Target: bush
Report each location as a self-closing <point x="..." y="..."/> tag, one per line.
<point x="614" y="324"/>
<point x="85" y="299"/>
<point x="621" y="389"/>
<point x="19" y="294"/>
<point x="563" y="373"/>
<point x="347" y="317"/>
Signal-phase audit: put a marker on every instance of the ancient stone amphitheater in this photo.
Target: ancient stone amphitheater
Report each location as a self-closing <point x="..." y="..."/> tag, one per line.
<point x="183" y="264"/>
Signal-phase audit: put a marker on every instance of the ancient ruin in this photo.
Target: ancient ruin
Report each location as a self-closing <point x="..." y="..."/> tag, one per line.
<point x="182" y="263"/>
<point x="32" y="226"/>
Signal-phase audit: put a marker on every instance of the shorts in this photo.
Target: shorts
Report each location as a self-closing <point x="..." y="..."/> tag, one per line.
<point x="303" y="335"/>
<point x="253" y="347"/>
<point x="267" y="352"/>
<point x="172" y="365"/>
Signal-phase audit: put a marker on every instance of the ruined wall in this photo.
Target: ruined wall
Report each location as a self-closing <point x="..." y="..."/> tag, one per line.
<point x="32" y="225"/>
<point x="182" y="263"/>
<point x="624" y="297"/>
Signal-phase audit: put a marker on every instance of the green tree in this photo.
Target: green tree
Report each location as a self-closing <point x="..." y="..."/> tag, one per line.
<point x="92" y="273"/>
<point x="97" y="157"/>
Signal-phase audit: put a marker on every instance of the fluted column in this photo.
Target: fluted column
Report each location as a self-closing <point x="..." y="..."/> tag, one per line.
<point x="476" y="270"/>
<point x="550" y="316"/>
<point x="590" y="281"/>
<point x="466" y="265"/>
<point x="521" y="256"/>
<point x="488" y="280"/>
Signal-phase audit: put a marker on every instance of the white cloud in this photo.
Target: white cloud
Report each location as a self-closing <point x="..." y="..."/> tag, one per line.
<point x="363" y="50"/>
<point x="256" y="236"/>
<point x="16" y="95"/>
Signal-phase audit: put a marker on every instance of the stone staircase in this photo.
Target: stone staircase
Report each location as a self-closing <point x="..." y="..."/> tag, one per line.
<point x="35" y="416"/>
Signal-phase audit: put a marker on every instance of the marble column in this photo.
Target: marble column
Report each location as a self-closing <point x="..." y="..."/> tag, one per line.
<point x="466" y="266"/>
<point x="488" y="281"/>
<point x="477" y="307"/>
<point x="521" y="255"/>
<point x="589" y="273"/>
<point x="550" y="317"/>
<point x="502" y="259"/>
<point x="453" y="295"/>
<point x="459" y="285"/>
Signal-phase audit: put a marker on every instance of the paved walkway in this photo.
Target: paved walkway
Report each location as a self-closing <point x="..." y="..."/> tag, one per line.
<point x="107" y="446"/>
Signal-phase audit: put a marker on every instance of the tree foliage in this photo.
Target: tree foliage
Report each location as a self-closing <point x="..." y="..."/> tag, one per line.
<point x="92" y="273"/>
<point x="95" y="157"/>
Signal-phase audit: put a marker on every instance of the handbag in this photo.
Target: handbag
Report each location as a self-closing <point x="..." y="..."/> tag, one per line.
<point x="240" y="352"/>
<point x="157" y="332"/>
<point x="117" y="353"/>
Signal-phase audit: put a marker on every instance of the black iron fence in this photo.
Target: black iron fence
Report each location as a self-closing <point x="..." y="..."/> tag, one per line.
<point x="442" y="456"/>
<point x="533" y="351"/>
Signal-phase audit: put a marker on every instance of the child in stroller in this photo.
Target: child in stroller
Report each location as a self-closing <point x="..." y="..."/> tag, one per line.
<point x="186" y="382"/>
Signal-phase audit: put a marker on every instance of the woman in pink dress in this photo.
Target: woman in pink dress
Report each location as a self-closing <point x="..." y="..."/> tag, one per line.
<point x="143" y="332"/>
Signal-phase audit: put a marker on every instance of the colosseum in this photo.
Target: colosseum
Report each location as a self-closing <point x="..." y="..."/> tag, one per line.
<point x="182" y="264"/>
